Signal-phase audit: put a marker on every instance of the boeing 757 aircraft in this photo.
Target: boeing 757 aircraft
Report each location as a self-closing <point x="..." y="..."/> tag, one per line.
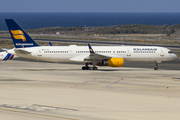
<point x="113" y="56"/>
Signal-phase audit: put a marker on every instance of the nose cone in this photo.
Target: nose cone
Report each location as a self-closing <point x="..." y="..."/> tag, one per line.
<point x="171" y="57"/>
<point x="175" y="56"/>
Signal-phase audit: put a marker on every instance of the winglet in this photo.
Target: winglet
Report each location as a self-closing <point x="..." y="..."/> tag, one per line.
<point x="50" y="44"/>
<point x="90" y="49"/>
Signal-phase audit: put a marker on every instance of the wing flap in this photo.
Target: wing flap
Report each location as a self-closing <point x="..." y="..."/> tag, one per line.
<point x="98" y="56"/>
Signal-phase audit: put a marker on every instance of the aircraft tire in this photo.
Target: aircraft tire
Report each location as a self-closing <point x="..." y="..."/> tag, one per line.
<point x="84" y="68"/>
<point x="156" y="68"/>
<point x="95" y="68"/>
<point x="89" y="68"/>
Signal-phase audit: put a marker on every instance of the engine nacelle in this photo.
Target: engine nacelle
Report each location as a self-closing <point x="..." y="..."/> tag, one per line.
<point x="113" y="62"/>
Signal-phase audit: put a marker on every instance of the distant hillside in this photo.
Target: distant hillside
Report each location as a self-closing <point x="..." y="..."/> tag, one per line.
<point x="119" y="29"/>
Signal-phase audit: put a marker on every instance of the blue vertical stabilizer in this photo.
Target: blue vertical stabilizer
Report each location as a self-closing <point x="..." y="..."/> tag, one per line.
<point x="19" y="36"/>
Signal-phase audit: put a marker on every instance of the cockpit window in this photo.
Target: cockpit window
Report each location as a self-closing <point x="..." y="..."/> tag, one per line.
<point x="170" y="52"/>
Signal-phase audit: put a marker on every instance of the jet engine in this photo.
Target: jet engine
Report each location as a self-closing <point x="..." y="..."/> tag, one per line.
<point x="113" y="62"/>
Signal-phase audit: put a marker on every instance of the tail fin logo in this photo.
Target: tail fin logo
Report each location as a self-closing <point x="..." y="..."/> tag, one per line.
<point x="18" y="34"/>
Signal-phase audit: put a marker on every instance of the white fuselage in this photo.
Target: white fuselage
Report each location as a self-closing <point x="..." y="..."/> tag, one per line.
<point x="78" y="53"/>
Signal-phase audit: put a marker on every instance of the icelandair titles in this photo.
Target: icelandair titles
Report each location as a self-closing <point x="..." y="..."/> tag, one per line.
<point x="141" y="49"/>
<point x="144" y="50"/>
<point x="24" y="44"/>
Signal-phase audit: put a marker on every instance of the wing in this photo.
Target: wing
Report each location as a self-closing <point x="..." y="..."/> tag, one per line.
<point x="98" y="57"/>
<point x="93" y="57"/>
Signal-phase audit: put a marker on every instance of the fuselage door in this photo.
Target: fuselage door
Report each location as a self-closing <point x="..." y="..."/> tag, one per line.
<point x="162" y="54"/>
<point x="128" y="52"/>
<point x="39" y="52"/>
<point x="70" y="52"/>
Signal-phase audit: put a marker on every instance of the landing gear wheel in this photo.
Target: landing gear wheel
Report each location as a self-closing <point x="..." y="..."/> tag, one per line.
<point x="156" y="65"/>
<point x="156" y="68"/>
<point x="95" y="68"/>
<point x="84" y="68"/>
<point x="90" y="68"/>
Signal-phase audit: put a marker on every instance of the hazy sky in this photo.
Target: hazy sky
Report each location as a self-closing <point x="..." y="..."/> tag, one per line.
<point x="89" y="5"/>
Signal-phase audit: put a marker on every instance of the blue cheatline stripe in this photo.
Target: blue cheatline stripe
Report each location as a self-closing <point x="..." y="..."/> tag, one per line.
<point x="7" y="56"/>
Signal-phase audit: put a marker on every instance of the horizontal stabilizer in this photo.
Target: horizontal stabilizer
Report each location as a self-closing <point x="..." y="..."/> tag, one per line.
<point x="3" y="49"/>
<point x="21" y="51"/>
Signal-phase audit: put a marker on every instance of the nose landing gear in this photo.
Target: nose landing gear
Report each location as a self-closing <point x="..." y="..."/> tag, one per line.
<point x="156" y="65"/>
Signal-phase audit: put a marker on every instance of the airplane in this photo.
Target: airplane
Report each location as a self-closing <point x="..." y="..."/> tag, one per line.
<point x="5" y="56"/>
<point x="113" y="56"/>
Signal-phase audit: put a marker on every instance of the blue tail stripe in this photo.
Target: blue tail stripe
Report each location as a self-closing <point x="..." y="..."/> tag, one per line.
<point x="7" y="56"/>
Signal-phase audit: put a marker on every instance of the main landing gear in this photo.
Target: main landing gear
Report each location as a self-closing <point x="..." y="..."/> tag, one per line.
<point x="156" y="65"/>
<point x="86" y="67"/>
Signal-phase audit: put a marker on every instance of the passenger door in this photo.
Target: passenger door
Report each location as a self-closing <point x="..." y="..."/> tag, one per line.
<point x="39" y="52"/>
<point x="70" y="52"/>
<point x="161" y="54"/>
<point x="128" y="52"/>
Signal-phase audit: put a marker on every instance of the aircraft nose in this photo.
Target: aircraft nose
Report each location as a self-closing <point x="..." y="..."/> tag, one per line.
<point x="175" y="56"/>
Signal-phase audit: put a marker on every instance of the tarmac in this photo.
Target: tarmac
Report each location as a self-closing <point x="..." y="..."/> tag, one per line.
<point x="32" y="90"/>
